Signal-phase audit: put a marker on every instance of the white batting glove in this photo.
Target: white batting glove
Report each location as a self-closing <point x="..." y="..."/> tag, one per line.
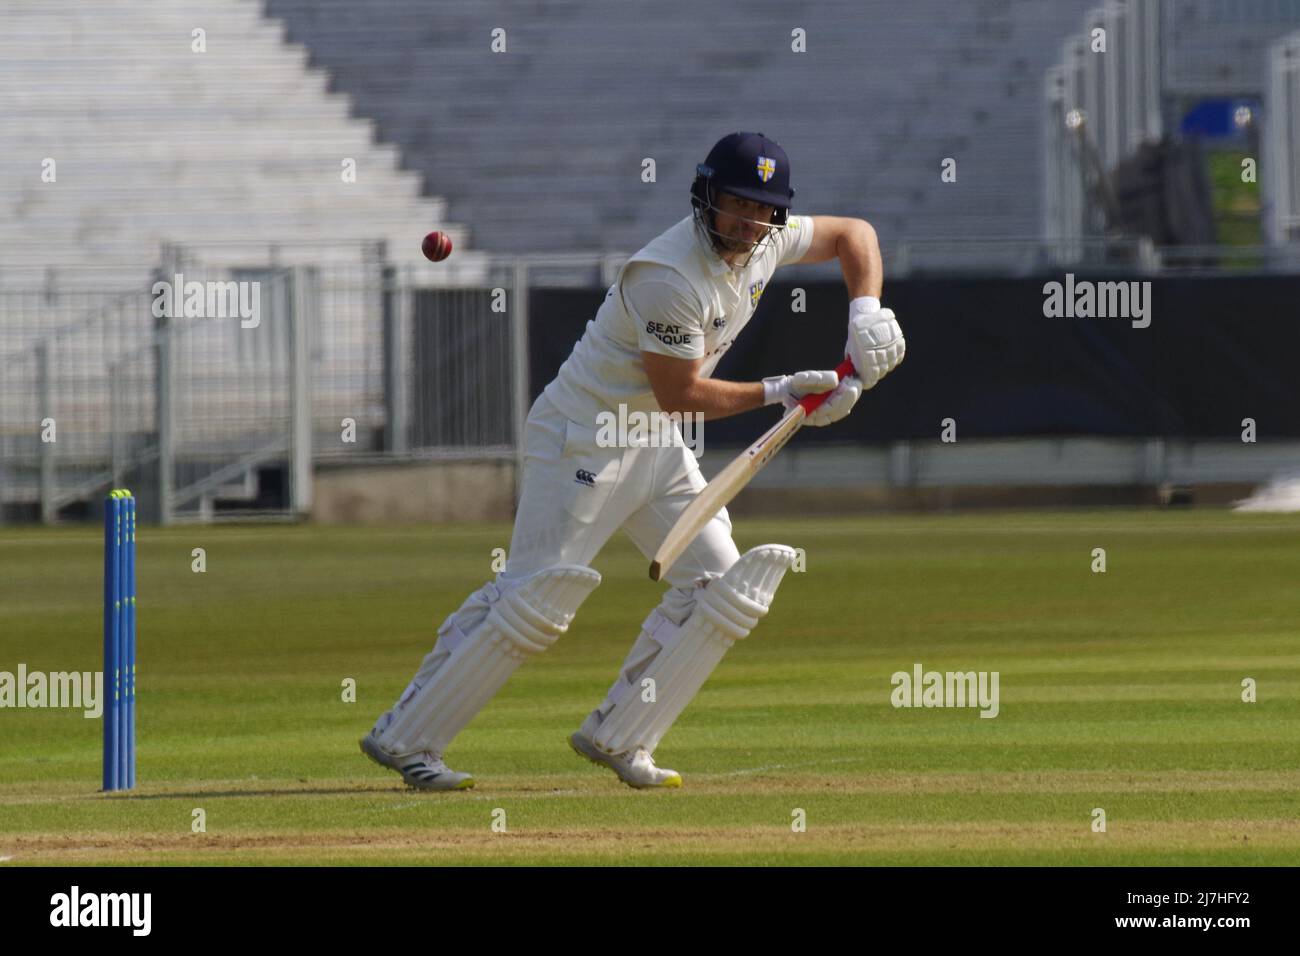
<point x="840" y="403"/>
<point x="875" y="343"/>
<point x="788" y="389"/>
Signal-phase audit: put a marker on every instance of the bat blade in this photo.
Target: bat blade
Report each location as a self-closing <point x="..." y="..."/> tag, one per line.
<point x="724" y="486"/>
<point x="731" y="480"/>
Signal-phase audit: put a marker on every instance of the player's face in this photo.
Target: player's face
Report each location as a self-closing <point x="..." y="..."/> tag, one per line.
<point x="741" y="221"/>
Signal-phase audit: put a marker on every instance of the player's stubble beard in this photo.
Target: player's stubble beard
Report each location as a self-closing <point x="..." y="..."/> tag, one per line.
<point x="737" y="246"/>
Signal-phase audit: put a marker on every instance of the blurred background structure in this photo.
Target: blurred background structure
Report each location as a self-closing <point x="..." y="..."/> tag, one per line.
<point x="307" y="146"/>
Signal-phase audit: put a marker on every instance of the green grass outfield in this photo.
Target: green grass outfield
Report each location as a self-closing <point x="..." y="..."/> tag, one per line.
<point x="1119" y="690"/>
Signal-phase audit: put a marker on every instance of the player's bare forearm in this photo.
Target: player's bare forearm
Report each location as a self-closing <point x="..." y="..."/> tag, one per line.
<point x="715" y="398"/>
<point x="679" y="387"/>
<point x="858" y="250"/>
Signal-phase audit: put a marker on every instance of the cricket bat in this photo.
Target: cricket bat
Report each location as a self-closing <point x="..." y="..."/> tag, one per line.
<point x="729" y="482"/>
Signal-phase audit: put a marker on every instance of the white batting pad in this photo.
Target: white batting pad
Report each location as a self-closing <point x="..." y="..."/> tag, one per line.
<point x="726" y="611"/>
<point x="524" y="621"/>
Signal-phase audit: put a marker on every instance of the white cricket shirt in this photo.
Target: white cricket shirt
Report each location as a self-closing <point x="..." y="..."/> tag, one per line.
<point x="674" y="296"/>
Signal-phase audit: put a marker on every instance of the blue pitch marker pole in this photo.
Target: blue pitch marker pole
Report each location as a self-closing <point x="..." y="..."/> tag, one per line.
<point x="119" y="633"/>
<point x="112" y="665"/>
<point x="128" y="664"/>
<point x="121" y="639"/>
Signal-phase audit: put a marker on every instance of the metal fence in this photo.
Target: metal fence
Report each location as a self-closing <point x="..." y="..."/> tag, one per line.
<point x="58" y="353"/>
<point x="1281" y="173"/>
<point x="1161" y="57"/>
<point x="1099" y="107"/>
<point x="207" y="411"/>
<point x="207" y="416"/>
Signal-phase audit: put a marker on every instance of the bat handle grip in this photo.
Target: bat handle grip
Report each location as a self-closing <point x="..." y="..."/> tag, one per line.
<point x="814" y="401"/>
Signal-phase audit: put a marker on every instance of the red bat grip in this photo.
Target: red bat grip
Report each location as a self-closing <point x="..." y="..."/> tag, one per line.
<point x="810" y="402"/>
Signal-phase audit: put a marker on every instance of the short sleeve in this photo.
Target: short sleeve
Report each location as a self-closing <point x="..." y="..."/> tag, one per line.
<point x="667" y="317"/>
<point x="794" y="240"/>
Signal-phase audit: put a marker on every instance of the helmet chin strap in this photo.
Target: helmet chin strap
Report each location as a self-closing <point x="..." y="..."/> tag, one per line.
<point x="722" y="244"/>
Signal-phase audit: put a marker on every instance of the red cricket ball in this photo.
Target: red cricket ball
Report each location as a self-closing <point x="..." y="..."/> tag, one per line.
<point x="436" y="246"/>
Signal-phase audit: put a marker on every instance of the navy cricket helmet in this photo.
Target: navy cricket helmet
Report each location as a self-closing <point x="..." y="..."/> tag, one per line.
<point x="748" y="165"/>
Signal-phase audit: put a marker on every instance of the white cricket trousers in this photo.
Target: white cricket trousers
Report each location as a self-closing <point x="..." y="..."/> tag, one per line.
<point x="576" y="494"/>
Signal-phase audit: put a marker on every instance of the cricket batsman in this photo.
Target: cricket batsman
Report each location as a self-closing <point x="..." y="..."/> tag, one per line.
<point x="673" y="310"/>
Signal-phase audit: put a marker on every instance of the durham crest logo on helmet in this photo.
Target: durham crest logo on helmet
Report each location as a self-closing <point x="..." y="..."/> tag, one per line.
<point x="766" y="167"/>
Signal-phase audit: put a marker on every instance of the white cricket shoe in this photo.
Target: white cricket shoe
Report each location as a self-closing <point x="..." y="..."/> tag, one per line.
<point x="635" y="768"/>
<point x="425" y="770"/>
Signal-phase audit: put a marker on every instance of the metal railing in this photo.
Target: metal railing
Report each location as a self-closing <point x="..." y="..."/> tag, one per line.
<point x="349" y="360"/>
<point x="1099" y="108"/>
<point x="1281" y="172"/>
<point x="207" y="416"/>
